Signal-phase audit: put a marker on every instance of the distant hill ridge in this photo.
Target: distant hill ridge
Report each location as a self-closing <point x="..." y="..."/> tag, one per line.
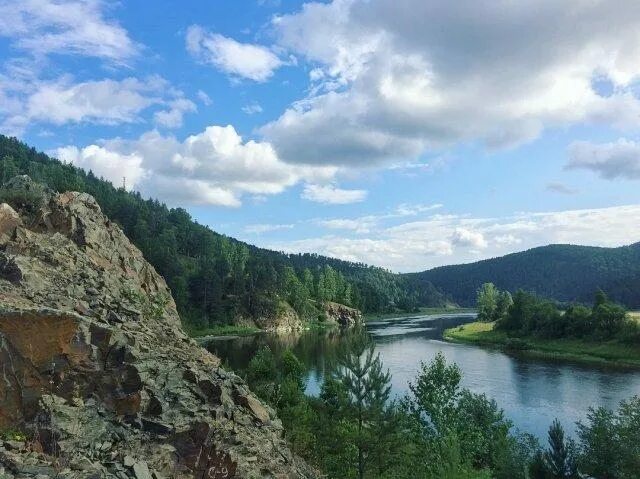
<point x="560" y="271"/>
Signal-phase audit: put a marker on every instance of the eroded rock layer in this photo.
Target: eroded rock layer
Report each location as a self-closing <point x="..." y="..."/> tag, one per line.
<point x="97" y="378"/>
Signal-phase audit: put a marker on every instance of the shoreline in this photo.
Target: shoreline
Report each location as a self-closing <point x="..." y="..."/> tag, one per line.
<point x="610" y="354"/>
<point x="422" y="312"/>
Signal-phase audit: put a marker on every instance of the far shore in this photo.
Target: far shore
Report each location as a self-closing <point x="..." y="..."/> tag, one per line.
<point x="420" y="312"/>
<point x="608" y="353"/>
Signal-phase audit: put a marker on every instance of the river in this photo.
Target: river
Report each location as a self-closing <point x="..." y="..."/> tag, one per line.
<point x="532" y="392"/>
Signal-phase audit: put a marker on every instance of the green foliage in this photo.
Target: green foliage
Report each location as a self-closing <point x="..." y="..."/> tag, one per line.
<point x="559" y="459"/>
<point x="491" y="303"/>
<point x="28" y="200"/>
<point x="214" y="279"/>
<point x="532" y="316"/>
<point x="610" y="442"/>
<point x="564" y="273"/>
<point x="440" y="430"/>
<point x="12" y="435"/>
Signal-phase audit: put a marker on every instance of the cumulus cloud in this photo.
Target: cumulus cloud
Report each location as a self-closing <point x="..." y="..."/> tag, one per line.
<point x="241" y="60"/>
<point x="107" y="102"/>
<point x="172" y="117"/>
<point x="106" y="164"/>
<point x="392" y="79"/>
<point x="445" y="239"/>
<point x="468" y="238"/>
<point x="65" y="27"/>
<point x="332" y="195"/>
<point x="619" y="159"/>
<point x="214" y="167"/>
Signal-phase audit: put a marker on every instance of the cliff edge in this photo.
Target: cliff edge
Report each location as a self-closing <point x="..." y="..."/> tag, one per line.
<point x="97" y="378"/>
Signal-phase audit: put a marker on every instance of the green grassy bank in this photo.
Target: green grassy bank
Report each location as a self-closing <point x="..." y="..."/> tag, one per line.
<point x="612" y="353"/>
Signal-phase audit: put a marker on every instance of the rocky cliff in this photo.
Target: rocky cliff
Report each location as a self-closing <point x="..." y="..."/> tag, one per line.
<point x="342" y="315"/>
<point x="97" y="378"/>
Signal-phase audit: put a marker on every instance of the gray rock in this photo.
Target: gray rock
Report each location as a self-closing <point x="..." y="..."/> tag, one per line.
<point x="141" y="470"/>
<point x="120" y="379"/>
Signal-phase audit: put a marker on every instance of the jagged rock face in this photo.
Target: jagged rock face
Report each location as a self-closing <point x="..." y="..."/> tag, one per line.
<point x="96" y="371"/>
<point x="342" y="315"/>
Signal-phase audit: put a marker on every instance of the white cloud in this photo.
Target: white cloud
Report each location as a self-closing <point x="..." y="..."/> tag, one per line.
<point x="359" y="225"/>
<point x="620" y="159"/>
<point x="468" y="238"/>
<point x="204" y="98"/>
<point x="215" y="167"/>
<point x="445" y="239"/>
<point x="107" y="102"/>
<point x="252" y="109"/>
<point x="173" y="116"/>
<point x="332" y="195"/>
<point x="266" y="228"/>
<point x="392" y="79"/>
<point x="244" y="60"/>
<point x="65" y="27"/>
<point x="106" y="164"/>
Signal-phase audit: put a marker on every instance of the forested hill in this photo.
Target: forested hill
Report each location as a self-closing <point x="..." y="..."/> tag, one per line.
<point x="561" y="272"/>
<point x="216" y="279"/>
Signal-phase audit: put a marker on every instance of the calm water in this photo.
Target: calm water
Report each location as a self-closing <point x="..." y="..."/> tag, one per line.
<point x="531" y="392"/>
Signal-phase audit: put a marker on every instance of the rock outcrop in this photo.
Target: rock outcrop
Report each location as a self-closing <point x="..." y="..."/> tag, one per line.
<point x="342" y="315"/>
<point x="97" y="378"/>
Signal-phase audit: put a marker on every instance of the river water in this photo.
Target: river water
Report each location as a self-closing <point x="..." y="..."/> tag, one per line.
<point x="531" y="392"/>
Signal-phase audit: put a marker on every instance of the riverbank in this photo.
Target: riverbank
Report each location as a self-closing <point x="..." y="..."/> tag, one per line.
<point x="420" y="312"/>
<point x="612" y="353"/>
<point x="223" y="330"/>
<point x="234" y="330"/>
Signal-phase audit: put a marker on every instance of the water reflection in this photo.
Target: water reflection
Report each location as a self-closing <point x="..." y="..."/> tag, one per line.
<point x="532" y="392"/>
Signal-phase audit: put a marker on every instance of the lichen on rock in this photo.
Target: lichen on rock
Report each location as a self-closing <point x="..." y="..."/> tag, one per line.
<point x="96" y="372"/>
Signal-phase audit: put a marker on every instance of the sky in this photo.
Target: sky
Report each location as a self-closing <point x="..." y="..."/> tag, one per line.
<point x="407" y="134"/>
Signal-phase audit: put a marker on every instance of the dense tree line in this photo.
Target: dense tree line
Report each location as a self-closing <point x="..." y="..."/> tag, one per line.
<point x="353" y="429"/>
<point x="530" y="315"/>
<point x="564" y="273"/>
<point x="216" y="279"/>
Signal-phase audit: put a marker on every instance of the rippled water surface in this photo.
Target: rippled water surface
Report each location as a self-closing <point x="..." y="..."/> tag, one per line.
<point x="531" y="392"/>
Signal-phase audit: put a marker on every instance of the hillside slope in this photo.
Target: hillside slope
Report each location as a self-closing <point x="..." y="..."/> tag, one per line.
<point x="561" y="272"/>
<point x="216" y="279"/>
<point x="99" y="379"/>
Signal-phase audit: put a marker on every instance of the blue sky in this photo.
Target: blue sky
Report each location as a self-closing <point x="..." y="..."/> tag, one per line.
<point x="408" y="134"/>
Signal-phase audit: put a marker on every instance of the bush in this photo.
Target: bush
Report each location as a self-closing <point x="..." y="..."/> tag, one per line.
<point x="29" y="199"/>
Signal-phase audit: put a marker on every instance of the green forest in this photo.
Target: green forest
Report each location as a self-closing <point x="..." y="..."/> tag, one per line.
<point x="438" y="430"/>
<point x="565" y="273"/>
<point x="216" y="279"/>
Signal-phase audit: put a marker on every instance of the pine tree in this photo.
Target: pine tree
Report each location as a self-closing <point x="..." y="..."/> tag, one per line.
<point x="368" y="387"/>
<point x="559" y="458"/>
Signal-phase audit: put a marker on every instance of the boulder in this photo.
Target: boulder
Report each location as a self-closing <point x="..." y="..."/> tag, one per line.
<point x="342" y="315"/>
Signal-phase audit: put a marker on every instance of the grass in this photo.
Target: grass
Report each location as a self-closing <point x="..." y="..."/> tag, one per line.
<point x="223" y="330"/>
<point x="635" y="315"/>
<point x="605" y="352"/>
<point x="443" y="310"/>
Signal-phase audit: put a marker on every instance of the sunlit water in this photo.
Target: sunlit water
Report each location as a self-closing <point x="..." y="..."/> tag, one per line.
<point x="531" y="392"/>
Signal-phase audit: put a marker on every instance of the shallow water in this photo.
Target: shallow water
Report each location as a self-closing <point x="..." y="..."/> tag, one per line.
<point x="532" y="392"/>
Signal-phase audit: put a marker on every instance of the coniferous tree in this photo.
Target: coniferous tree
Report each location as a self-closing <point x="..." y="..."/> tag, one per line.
<point x="559" y="459"/>
<point x="367" y="388"/>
